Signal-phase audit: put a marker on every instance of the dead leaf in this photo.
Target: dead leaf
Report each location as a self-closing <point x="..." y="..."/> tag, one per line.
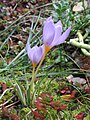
<point x="76" y="80"/>
<point x="87" y="89"/>
<point x="79" y="6"/>
<point x="4" y="86"/>
<point x="67" y="97"/>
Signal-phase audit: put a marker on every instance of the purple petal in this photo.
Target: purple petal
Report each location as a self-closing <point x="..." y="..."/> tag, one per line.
<point x="58" y="30"/>
<point x="29" y="51"/>
<point x="28" y="47"/>
<point x="38" y="53"/>
<point x="49" y="18"/>
<point x="35" y="54"/>
<point x="48" y="32"/>
<point x="59" y="23"/>
<point x="43" y="50"/>
<point x="63" y="37"/>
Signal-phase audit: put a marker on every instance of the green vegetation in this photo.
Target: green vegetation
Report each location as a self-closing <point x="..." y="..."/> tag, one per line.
<point x="62" y="84"/>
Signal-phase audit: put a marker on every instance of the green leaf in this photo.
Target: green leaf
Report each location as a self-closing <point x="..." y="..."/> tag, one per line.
<point x="20" y="93"/>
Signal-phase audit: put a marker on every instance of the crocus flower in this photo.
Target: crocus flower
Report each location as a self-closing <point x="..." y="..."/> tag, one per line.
<point x="35" y="54"/>
<point x="52" y="34"/>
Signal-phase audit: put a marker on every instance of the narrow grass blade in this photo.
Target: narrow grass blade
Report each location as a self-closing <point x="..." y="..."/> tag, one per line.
<point x="7" y="39"/>
<point x="20" y="93"/>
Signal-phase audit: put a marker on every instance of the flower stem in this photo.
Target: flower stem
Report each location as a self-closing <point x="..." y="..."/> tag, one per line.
<point x="46" y="50"/>
<point x="40" y="64"/>
<point x="32" y="81"/>
<point x="32" y="86"/>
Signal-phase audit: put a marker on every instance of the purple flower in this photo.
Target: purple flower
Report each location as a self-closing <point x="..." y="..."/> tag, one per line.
<point x="52" y="33"/>
<point x="35" y="54"/>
